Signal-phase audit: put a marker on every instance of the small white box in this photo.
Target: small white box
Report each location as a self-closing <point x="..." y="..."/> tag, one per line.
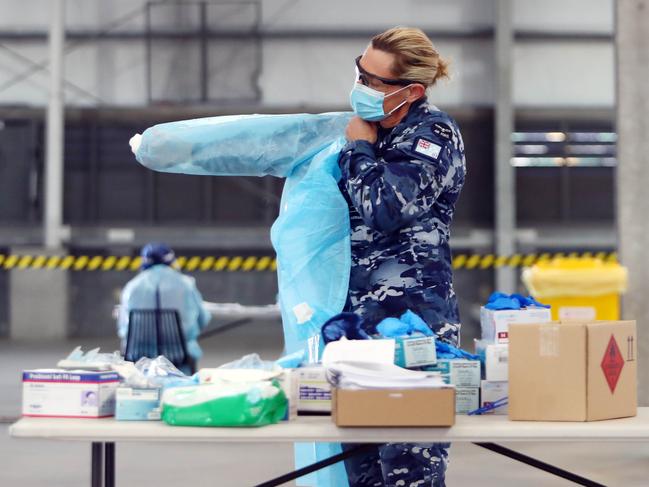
<point x="466" y="399"/>
<point x="415" y="351"/>
<point x="134" y="404"/>
<point x="497" y="362"/>
<point x="459" y="372"/>
<point x="69" y="394"/>
<point x="313" y="390"/>
<point x="495" y="323"/>
<point x="492" y="391"/>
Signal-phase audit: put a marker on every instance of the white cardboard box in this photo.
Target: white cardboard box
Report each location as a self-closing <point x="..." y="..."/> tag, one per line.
<point x="459" y="372"/>
<point x="497" y="362"/>
<point x="69" y="394"/>
<point x="466" y="399"/>
<point x="135" y="404"/>
<point x="313" y="390"/>
<point x="495" y="323"/>
<point x="492" y="391"/>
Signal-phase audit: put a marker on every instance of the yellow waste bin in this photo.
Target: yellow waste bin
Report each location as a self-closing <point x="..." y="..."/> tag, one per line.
<point x="578" y="288"/>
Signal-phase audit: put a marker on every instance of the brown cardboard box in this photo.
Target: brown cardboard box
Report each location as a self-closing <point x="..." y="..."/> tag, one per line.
<point x="573" y="371"/>
<point x="394" y="407"/>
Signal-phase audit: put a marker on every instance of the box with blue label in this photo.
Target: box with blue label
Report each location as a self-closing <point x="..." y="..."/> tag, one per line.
<point x="137" y="404"/>
<point x="415" y="351"/>
<point x="69" y="393"/>
<point x="466" y="399"/>
<point x="313" y="390"/>
<point x="459" y="372"/>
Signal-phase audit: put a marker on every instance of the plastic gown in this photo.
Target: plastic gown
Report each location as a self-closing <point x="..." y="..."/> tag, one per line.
<point x="176" y="291"/>
<point x="311" y="235"/>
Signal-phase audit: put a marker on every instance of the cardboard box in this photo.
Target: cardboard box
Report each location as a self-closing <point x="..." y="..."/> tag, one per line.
<point x="137" y="404"/>
<point x="69" y="394"/>
<point x="466" y="399"/>
<point x="492" y="391"/>
<point x="495" y="324"/>
<point x="458" y="372"/>
<point x="415" y="351"/>
<point x="313" y="390"/>
<point x="394" y="407"/>
<point x="573" y="371"/>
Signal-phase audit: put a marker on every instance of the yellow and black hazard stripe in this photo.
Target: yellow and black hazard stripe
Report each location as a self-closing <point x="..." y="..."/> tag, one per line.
<point x="260" y="263"/>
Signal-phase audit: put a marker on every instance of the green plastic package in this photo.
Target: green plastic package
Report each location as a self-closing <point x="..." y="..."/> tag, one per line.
<point x="225" y="404"/>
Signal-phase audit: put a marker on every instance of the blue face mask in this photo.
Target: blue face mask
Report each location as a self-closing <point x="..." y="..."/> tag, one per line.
<point x="367" y="103"/>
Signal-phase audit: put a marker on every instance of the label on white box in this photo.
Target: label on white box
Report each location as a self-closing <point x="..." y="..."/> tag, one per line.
<point x="466" y="399"/>
<point x="497" y="362"/>
<point x="492" y="391"/>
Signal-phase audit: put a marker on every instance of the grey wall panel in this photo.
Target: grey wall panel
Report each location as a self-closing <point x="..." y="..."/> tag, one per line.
<point x="17" y="171"/>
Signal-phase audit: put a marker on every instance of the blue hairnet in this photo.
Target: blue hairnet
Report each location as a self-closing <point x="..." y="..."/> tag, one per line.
<point x="156" y="253"/>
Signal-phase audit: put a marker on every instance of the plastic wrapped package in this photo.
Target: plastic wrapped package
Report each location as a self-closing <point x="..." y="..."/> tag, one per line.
<point x="224" y="404"/>
<point x="155" y="373"/>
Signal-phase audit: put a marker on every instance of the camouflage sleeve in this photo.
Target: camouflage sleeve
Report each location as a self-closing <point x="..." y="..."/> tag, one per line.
<point x="391" y="192"/>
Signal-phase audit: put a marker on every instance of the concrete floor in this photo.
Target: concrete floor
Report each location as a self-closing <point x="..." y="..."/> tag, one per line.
<point x="28" y="463"/>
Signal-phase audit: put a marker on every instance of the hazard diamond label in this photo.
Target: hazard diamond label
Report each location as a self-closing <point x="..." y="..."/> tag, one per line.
<point x="612" y="363"/>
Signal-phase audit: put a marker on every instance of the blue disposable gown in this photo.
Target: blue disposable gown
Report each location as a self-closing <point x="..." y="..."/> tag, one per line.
<point x="311" y="235"/>
<point x="176" y="291"/>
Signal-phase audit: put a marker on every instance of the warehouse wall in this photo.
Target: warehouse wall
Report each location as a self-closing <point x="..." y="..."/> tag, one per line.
<point x="312" y="72"/>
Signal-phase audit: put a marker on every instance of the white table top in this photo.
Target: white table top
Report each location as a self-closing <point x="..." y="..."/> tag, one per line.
<point x="467" y="428"/>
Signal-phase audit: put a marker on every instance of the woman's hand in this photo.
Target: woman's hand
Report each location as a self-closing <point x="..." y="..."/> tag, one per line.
<point x="359" y="129"/>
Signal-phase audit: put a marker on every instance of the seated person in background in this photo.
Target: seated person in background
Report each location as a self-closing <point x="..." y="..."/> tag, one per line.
<point x="175" y="290"/>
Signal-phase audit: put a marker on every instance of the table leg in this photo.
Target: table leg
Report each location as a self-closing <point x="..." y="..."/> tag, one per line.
<point x="109" y="467"/>
<point x="96" y="464"/>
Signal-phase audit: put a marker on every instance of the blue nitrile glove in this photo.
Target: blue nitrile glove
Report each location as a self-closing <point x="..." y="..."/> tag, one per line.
<point x="348" y="325"/>
<point x="392" y="328"/>
<point x="292" y="360"/>
<point x="446" y="350"/>
<point x="416" y="323"/>
<point x="500" y="301"/>
<point x="407" y="324"/>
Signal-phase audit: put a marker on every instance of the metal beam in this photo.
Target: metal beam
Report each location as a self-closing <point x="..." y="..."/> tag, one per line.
<point x="505" y="190"/>
<point x="53" y="218"/>
<point x="298" y="34"/>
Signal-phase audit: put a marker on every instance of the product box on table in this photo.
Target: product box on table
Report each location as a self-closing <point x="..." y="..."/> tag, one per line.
<point x="492" y="391"/>
<point x="394" y="407"/>
<point x="573" y="371"/>
<point x="415" y="351"/>
<point x="71" y="394"/>
<point x="132" y="404"/>
<point x="459" y="372"/>
<point x="495" y="323"/>
<point x="495" y="359"/>
<point x="466" y="399"/>
<point x="313" y="390"/>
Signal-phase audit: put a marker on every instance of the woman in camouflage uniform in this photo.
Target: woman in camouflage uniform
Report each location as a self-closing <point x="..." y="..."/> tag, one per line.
<point x="402" y="171"/>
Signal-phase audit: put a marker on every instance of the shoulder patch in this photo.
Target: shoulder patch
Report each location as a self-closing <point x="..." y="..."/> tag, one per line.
<point x="442" y="130"/>
<point x="426" y="148"/>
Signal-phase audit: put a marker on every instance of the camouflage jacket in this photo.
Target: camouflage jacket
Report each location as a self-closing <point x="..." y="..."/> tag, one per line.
<point x="401" y="193"/>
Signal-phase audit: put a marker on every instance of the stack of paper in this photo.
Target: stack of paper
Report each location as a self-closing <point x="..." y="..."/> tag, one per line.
<point x="369" y="364"/>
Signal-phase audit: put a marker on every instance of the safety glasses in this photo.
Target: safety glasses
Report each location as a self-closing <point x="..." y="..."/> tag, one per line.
<point x="367" y="78"/>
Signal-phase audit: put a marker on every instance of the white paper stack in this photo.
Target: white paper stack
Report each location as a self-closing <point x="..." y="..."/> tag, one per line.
<point x="369" y="364"/>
